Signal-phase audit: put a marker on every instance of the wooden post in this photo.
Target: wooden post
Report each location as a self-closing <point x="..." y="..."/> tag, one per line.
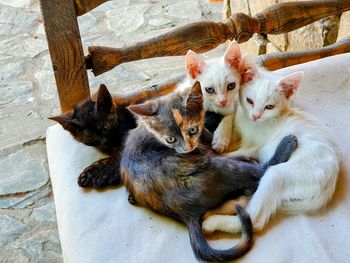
<point x="65" y="47"/>
<point x="206" y="35"/>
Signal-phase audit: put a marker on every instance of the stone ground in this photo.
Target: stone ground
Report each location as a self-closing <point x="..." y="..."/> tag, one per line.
<point x="28" y="96"/>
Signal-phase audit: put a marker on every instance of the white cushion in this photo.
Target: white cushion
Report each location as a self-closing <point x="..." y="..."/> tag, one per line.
<point x="101" y="226"/>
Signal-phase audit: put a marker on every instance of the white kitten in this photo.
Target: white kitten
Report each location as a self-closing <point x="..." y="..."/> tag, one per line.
<point x="220" y="81"/>
<point x="303" y="184"/>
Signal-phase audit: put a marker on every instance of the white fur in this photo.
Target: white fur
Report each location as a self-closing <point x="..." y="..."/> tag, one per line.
<point x="218" y="73"/>
<point x="303" y="184"/>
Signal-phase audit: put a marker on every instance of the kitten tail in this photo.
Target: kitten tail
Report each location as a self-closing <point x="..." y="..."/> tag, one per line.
<point x="204" y="252"/>
<point x="284" y="150"/>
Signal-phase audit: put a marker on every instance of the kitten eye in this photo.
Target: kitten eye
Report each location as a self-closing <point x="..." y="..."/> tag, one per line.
<point x="193" y="130"/>
<point x="269" y="107"/>
<point x="210" y="90"/>
<point x="106" y="126"/>
<point x="231" y="86"/>
<point x="170" y="139"/>
<point x="250" y="101"/>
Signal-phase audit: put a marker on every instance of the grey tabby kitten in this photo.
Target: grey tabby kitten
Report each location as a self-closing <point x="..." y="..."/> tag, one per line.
<point x="166" y="167"/>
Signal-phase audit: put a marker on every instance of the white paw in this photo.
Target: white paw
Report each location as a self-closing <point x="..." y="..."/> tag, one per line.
<point x="209" y="225"/>
<point x="258" y="226"/>
<point x="220" y="143"/>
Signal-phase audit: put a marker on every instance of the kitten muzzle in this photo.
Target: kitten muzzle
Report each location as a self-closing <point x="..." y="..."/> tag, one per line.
<point x="256" y="117"/>
<point x="223" y="102"/>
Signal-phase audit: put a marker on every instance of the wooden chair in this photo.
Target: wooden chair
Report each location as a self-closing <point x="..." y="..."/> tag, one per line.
<point x="69" y="63"/>
<point x="102" y="226"/>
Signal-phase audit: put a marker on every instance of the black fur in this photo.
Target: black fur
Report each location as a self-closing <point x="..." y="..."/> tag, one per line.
<point x="102" y="173"/>
<point x="212" y="120"/>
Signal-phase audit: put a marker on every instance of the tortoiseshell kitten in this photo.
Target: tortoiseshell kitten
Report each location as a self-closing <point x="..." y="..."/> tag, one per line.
<point x="101" y="123"/>
<point x="166" y="168"/>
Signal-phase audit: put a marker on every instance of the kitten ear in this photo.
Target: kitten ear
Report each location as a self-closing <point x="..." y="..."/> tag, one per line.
<point x="195" y="98"/>
<point x="65" y="120"/>
<point x="149" y="108"/>
<point x="233" y="55"/>
<point x="248" y="69"/>
<point x="104" y="100"/>
<point x="290" y="83"/>
<point x="194" y="64"/>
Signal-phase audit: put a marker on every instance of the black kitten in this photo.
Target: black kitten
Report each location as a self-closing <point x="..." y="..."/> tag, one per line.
<point x="98" y="122"/>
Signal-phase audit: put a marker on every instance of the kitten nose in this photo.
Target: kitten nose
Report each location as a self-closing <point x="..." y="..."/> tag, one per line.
<point x="223" y="102"/>
<point x="188" y="147"/>
<point x="256" y="117"/>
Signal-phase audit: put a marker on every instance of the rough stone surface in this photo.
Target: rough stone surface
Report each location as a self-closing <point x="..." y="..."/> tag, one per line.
<point x="184" y="10"/>
<point x="127" y="19"/>
<point x="86" y="22"/>
<point x="9" y="256"/>
<point x="14" y="21"/>
<point x="16" y="3"/>
<point x="161" y="22"/>
<point x="45" y="213"/>
<point x="23" y="200"/>
<point x="14" y="69"/>
<point x="29" y="175"/>
<point x="41" y="245"/>
<point x="28" y="96"/>
<point x="22" y="46"/>
<point x="10" y="229"/>
<point x="18" y="98"/>
<point x="15" y="94"/>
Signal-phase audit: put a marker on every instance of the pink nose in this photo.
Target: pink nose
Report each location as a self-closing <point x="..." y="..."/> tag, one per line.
<point x="223" y="102"/>
<point x="256" y="117"/>
<point x="189" y="148"/>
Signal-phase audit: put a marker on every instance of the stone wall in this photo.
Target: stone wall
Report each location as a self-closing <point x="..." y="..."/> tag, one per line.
<point x="321" y="33"/>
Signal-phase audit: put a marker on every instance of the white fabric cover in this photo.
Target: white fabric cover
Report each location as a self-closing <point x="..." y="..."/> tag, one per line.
<point x="101" y="226"/>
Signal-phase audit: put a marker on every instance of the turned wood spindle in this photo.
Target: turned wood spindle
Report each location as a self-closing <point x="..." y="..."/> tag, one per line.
<point x="206" y="35"/>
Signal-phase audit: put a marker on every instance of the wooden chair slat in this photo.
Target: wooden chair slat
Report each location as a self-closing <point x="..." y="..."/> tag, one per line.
<point x="279" y="60"/>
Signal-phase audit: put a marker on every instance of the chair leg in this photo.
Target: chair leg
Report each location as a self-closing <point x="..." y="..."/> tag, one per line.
<point x="65" y="47"/>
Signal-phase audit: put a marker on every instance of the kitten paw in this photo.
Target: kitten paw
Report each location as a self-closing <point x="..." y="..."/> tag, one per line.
<point x="100" y="174"/>
<point x="220" y="144"/>
<point x="132" y="199"/>
<point x="209" y="226"/>
<point x="223" y="223"/>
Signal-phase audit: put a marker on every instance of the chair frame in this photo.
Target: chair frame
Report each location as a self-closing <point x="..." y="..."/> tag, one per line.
<point x="70" y="65"/>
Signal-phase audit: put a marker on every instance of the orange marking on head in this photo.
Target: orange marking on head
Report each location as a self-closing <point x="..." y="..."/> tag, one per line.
<point x="177" y="117"/>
